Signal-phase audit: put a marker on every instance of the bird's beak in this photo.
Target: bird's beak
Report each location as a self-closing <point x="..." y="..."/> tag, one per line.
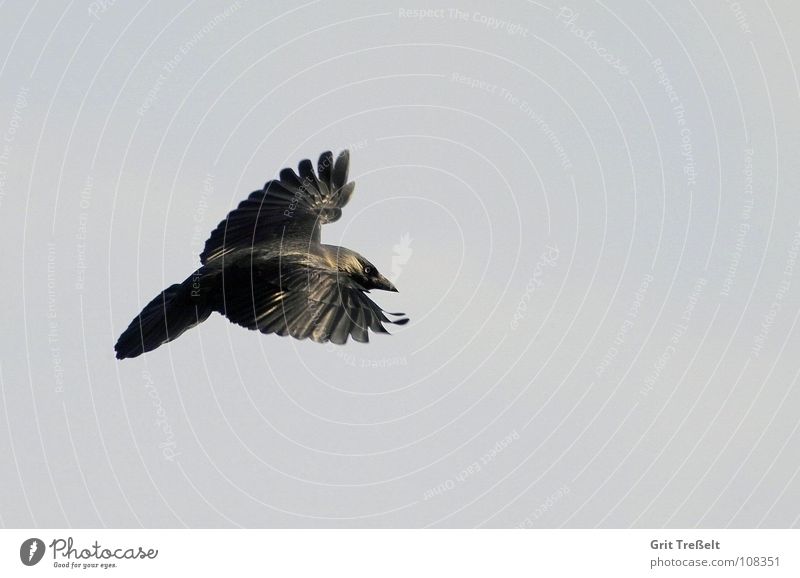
<point x="383" y="283"/>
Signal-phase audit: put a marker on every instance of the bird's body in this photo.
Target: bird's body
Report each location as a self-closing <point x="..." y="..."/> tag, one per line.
<point x="264" y="267"/>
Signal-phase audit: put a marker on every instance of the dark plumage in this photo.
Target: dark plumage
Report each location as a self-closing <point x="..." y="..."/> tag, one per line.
<point x="265" y="268"/>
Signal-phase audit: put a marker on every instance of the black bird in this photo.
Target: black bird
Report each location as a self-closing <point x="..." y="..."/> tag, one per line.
<point x="265" y="268"/>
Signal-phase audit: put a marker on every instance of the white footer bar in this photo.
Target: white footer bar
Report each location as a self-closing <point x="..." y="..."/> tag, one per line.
<point x="441" y="553"/>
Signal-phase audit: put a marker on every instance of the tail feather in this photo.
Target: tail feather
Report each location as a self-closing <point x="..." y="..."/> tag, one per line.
<point x="163" y="319"/>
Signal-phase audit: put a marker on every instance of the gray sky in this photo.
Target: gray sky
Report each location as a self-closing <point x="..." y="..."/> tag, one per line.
<point x="590" y="211"/>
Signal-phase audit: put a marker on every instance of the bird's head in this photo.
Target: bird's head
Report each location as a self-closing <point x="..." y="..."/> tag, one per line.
<point x="362" y="271"/>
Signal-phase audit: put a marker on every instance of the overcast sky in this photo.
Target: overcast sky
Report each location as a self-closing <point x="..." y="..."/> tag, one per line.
<point x="590" y="211"/>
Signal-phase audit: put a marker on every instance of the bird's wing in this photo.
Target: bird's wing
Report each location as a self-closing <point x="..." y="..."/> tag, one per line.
<point x="303" y="302"/>
<point x="291" y="208"/>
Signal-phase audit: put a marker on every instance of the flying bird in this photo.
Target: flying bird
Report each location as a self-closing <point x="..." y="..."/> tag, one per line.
<point x="265" y="268"/>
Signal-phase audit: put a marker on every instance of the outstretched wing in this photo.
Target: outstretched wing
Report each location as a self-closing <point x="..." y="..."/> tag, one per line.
<point x="303" y="302"/>
<point x="291" y="208"/>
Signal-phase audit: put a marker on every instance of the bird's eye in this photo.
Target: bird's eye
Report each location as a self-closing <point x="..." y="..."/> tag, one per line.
<point x="367" y="270"/>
